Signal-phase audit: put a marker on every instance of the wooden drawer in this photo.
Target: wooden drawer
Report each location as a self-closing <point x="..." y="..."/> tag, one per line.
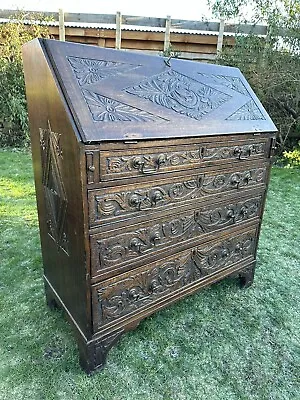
<point x="118" y="250"/>
<point x="122" y="203"/>
<point x="119" y="297"/>
<point x="146" y="159"/>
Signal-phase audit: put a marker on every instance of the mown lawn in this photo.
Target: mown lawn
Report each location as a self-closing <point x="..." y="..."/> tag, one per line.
<point x="220" y="344"/>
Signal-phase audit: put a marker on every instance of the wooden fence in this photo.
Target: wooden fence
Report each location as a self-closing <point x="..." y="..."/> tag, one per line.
<point x="198" y="40"/>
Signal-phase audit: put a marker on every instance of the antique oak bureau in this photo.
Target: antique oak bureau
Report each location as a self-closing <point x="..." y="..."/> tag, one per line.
<point x="151" y="177"/>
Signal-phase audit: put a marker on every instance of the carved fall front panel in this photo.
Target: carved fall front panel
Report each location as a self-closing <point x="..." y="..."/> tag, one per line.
<point x="139" y="289"/>
<point x="169" y="89"/>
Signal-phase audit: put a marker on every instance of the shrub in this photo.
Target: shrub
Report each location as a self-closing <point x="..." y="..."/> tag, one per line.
<point x="275" y="77"/>
<point x="271" y="64"/>
<point x="292" y="158"/>
<point x="13" y="113"/>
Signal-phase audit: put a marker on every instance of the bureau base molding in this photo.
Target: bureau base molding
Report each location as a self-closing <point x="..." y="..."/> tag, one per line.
<point x="93" y="352"/>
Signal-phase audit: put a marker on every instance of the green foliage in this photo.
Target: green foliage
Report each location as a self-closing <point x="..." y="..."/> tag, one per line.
<point x="270" y="64"/>
<point x="292" y="158"/>
<point x="222" y="343"/>
<point x="13" y="112"/>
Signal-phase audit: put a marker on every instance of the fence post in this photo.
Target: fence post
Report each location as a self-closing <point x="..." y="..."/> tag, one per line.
<point x="61" y="21"/>
<point x="167" y="34"/>
<point x="220" y="36"/>
<point x="118" y="30"/>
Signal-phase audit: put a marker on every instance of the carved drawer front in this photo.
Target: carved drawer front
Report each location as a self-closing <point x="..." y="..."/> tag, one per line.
<point x="135" y="290"/>
<point x="138" y="162"/>
<point x="121" y="203"/>
<point x="123" y="248"/>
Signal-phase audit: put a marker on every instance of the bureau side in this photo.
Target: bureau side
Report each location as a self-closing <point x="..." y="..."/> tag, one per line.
<point x="56" y="163"/>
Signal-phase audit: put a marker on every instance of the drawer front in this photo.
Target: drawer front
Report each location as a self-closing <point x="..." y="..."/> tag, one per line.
<point x="120" y="203"/>
<point x="127" y="293"/>
<point x="124" y="248"/>
<point x="107" y="165"/>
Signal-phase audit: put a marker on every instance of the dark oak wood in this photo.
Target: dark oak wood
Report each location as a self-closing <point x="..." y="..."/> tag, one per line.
<point x="150" y="182"/>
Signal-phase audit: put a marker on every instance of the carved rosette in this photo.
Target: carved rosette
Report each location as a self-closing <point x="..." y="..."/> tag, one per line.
<point x="120" y="298"/>
<point x="124" y="203"/>
<point x="54" y="190"/>
<point x="128" y="246"/>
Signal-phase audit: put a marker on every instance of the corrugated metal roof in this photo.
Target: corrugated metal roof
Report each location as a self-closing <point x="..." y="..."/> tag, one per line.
<point x="124" y="27"/>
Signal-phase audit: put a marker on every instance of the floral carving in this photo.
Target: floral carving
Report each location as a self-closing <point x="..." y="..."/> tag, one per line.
<point x="142" y="288"/>
<point x="240" y="152"/>
<point x="248" y="111"/>
<point x="153" y="163"/>
<point x="232" y="82"/>
<point x="126" y="202"/>
<point x="180" y="93"/>
<point x="127" y="246"/>
<point x="108" y="110"/>
<point x="91" y="71"/>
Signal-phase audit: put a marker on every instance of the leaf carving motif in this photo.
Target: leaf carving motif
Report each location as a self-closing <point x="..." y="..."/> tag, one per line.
<point x="89" y="71"/>
<point x="123" y="203"/>
<point x="232" y="82"/>
<point x="180" y="93"/>
<point x="108" y="110"/>
<point x="153" y="163"/>
<point x="121" y="248"/>
<point x="248" y="111"/>
<point x="142" y="288"/>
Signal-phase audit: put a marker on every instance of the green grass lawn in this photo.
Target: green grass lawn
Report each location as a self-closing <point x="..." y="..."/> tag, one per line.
<point x="221" y="343"/>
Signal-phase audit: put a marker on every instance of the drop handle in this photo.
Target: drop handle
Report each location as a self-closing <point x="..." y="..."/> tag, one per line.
<point x="161" y="160"/>
<point x="91" y="168"/>
<point x="238" y="151"/>
<point x="138" y="163"/>
<point x="230" y="214"/>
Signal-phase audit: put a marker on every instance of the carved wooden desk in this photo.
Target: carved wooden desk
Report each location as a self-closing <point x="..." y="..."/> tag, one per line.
<point x="150" y="181"/>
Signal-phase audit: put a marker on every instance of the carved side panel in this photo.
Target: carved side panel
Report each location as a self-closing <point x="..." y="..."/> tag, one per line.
<point x="54" y="190"/>
<point x="106" y="205"/>
<point x="116" y="299"/>
<point x="148" y="239"/>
